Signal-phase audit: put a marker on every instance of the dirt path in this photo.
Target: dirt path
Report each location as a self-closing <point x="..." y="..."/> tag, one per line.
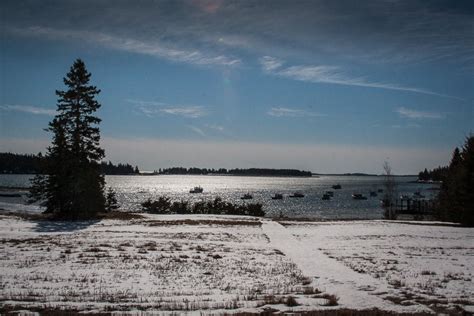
<point x="355" y="290"/>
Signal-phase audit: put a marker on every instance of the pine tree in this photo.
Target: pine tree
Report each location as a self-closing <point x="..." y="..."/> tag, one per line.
<point x="74" y="188"/>
<point x="456" y="197"/>
<point x="111" y="201"/>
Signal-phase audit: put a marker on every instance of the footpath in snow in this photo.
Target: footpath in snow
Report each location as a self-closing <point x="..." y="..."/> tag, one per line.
<point x="355" y="290"/>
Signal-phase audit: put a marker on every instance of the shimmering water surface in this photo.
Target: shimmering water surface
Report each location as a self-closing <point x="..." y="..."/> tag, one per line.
<point x="132" y="190"/>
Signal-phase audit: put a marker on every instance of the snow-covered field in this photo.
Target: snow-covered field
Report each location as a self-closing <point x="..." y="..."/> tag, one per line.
<point x="225" y="264"/>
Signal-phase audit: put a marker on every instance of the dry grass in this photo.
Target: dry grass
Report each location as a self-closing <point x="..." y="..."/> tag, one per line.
<point x="331" y="299"/>
<point x="48" y="311"/>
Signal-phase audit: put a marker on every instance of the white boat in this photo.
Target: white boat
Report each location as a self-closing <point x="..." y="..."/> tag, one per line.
<point x="358" y="196"/>
<point x="196" y="190"/>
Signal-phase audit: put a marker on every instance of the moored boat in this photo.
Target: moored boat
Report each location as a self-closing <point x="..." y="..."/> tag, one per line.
<point x="418" y="195"/>
<point x="247" y="196"/>
<point x="297" y="195"/>
<point x="337" y="187"/>
<point x="196" y="190"/>
<point x="326" y="197"/>
<point x="277" y="196"/>
<point x="358" y="196"/>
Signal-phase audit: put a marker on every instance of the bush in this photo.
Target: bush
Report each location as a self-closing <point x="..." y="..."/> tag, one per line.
<point x="216" y="206"/>
<point x="162" y="206"/>
<point x="180" y="208"/>
<point x="291" y="301"/>
<point x="111" y="201"/>
<point x="255" y="210"/>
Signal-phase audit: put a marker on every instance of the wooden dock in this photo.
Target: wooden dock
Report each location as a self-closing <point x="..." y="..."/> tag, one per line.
<point x="414" y="206"/>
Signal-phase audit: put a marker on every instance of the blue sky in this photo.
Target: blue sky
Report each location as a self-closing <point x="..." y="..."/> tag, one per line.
<point x="329" y="86"/>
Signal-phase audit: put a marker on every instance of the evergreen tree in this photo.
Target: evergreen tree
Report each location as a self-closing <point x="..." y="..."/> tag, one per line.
<point x="111" y="201"/>
<point x="456" y="197"/>
<point x="74" y="187"/>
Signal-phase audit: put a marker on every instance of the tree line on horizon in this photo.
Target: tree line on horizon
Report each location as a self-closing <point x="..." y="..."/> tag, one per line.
<point x="11" y="163"/>
<point x="436" y="174"/>
<point x="236" y="171"/>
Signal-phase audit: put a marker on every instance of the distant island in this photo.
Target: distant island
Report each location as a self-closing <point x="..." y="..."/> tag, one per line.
<point x="11" y="163"/>
<point x="359" y="174"/>
<point x="235" y="172"/>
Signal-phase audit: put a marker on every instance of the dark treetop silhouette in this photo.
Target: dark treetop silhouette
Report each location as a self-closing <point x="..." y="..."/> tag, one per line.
<point x="456" y="197"/>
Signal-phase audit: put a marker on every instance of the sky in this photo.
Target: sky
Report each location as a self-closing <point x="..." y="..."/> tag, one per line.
<point x="327" y="86"/>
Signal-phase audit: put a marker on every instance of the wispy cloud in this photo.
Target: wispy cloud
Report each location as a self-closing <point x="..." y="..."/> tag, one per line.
<point x="415" y="114"/>
<point x="281" y="112"/>
<point x="197" y="130"/>
<point x="186" y="111"/>
<point x="152" y="108"/>
<point x="152" y="48"/>
<point x="409" y="126"/>
<point x="332" y="75"/>
<point x="28" y="109"/>
<point x="270" y="63"/>
<point x="215" y="127"/>
<point x="399" y="32"/>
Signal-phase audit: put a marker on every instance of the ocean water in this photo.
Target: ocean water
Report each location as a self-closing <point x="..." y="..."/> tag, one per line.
<point x="133" y="190"/>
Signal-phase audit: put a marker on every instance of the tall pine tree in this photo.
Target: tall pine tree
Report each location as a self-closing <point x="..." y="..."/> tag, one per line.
<point x="456" y="197"/>
<point x="74" y="186"/>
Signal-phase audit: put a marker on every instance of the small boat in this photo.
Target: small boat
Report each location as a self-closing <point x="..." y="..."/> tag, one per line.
<point x="380" y="190"/>
<point x="330" y="193"/>
<point x="418" y="195"/>
<point x="297" y="195"/>
<point x="247" y="196"/>
<point x="196" y="190"/>
<point x="277" y="196"/>
<point x="358" y="196"/>
<point x="373" y="193"/>
<point x="326" y="197"/>
<point x="337" y="187"/>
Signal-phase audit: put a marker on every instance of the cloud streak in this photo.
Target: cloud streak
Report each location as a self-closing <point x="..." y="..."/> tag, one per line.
<point x="197" y="130"/>
<point x="415" y="114"/>
<point x="151" y="48"/>
<point x="215" y="127"/>
<point x="28" y="109"/>
<point x="185" y="111"/>
<point x="332" y="75"/>
<point x="151" y="109"/>
<point x="374" y="32"/>
<point x="287" y="112"/>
